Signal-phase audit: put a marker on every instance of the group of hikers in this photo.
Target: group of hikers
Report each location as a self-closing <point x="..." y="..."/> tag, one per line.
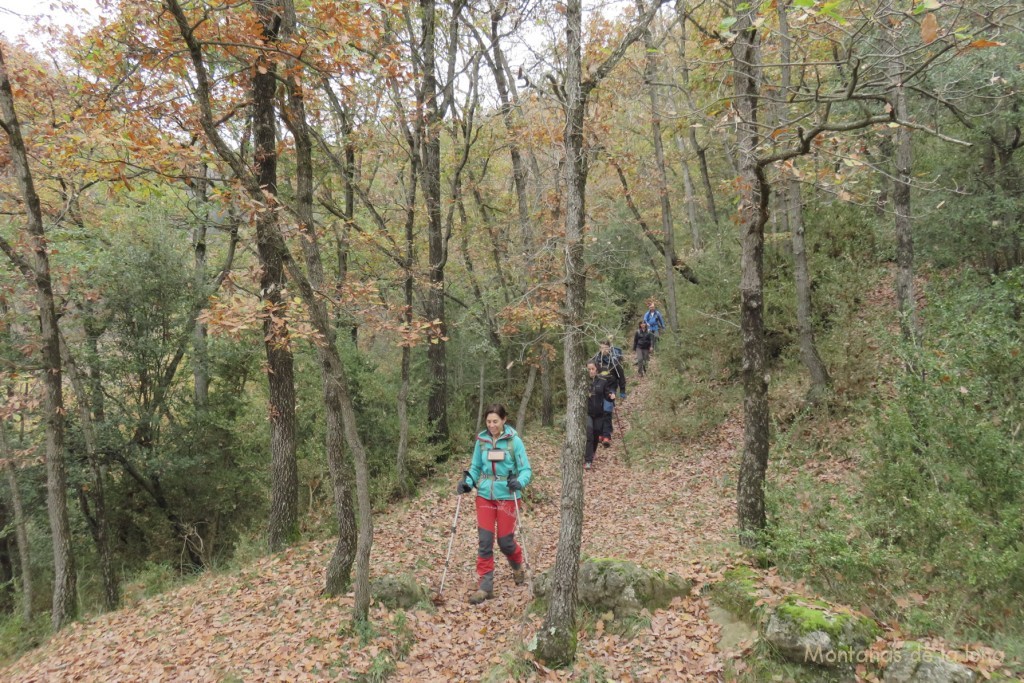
<point x="500" y="468"/>
<point x="608" y="380"/>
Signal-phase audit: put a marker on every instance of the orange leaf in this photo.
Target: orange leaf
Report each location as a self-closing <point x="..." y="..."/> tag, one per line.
<point x="981" y="44"/>
<point x="929" y="28"/>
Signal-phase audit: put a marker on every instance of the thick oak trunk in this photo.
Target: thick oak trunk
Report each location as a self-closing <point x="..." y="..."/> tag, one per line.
<point x="283" y="525"/>
<point x="753" y="215"/>
<point x="556" y="640"/>
<point x="437" y="402"/>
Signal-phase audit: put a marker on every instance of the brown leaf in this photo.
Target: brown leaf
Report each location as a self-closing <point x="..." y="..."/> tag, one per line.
<point x="929" y="28"/>
<point x="982" y="44"/>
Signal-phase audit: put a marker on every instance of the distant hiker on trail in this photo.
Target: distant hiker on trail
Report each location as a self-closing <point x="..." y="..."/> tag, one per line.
<point x="655" y="323"/>
<point x="499" y="471"/>
<point x="609" y="364"/>
<point x="642" y="342"/>
<point x="601" y="391"/>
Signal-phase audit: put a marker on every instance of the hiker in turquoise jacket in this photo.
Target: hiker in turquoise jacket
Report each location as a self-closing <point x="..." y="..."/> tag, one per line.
<point x="499" y="471"/>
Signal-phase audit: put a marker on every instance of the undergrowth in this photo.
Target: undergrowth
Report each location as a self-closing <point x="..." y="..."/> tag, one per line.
<point x="910" y="502"/>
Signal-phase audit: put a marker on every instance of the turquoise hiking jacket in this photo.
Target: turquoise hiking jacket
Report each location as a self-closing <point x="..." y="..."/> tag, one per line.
<point x="490" y="478"/>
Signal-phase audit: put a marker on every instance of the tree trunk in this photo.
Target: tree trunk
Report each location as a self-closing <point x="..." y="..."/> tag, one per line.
<point x="408" y="261"/>
<point x="482" y="394"/>
<point x="886" y="152"/>
<point x="556" y="640"/>
<point x="679" y="265"/>
<point x="547" y="409"/>
<point x="437" y="402"/>
<point x="499" y="68"/>
<point x="903" y="162"/>
<point x="525" y="401"/>
<point x="667" y="225"/>
<point x="20" y="530"/>
<point x="705" y="175"/>
<point x="336" y="398"/>
<point x="7" y="595"/>
<point x="37" y="270"/>
<point x="793" y="201"/>
<point x="98" y="521"/>
<point x="200" y="361"/>
<point x="802" y="278"/>
<point x="283" y="527"/>
<point x="691" y="201"/>
<point x="336" y="387"/>
<point x="753" y="215"/>
<point x="700" y="152"/>
<point x="403" y="420"/>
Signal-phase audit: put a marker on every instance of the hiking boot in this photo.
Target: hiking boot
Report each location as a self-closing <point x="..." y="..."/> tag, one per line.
<point x="606" y="442"/>
<point x="586" y="466"/>
<point x="519" y="576"/>
<point x="478" y="596"/>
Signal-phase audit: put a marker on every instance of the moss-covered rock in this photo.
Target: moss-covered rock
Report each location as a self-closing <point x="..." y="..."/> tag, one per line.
<point x="624" y="588"/>
<point x="398" y="592"/>
<point x="813" y="632"/>
<point x="737" y="593"/>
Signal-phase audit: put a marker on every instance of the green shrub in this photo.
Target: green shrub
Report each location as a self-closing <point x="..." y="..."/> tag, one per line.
<point x="947" y="479"/>
<point x="18" y="637"/>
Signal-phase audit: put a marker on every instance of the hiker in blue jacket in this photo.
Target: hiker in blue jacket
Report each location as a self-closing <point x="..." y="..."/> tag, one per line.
<point x="499" y="471"/>
<point x="655" y="323"/>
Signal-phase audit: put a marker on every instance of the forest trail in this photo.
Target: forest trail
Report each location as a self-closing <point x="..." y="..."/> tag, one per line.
<point x="267" y="621"/>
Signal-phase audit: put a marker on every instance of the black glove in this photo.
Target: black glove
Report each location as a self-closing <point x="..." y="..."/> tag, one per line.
<point x="514" y="485"/>
<point x="463" y="487"/>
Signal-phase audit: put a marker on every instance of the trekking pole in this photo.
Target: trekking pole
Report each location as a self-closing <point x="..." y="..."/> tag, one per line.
<point x="455" y="525"/>
<point x="526" y="560"/>
<point x="618" y="424"/>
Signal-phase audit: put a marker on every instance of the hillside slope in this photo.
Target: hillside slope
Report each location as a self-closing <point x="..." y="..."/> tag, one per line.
<point x="267" y="622"/>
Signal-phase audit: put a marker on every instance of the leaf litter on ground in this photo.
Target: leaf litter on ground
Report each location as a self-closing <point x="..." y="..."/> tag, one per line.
<point x="270" y="622"/>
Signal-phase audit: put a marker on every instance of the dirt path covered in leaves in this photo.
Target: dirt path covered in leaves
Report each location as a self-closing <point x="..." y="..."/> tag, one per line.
<point x="267" y="622"/>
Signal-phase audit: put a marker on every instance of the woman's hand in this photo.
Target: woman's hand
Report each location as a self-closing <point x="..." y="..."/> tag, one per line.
<point x="514" y="485"/>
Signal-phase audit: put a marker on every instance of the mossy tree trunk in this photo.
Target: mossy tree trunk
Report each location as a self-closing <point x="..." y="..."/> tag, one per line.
<point x="753" y="214"/>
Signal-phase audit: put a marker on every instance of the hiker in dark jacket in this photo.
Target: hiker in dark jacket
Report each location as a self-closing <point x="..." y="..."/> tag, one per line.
<point x="642" y="342"/>
<point x="609" y="365"/>
<point x="601" y="390"/>
<point x="499" y="471"/>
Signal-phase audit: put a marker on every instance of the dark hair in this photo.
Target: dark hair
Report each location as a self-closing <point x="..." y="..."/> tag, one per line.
<point x="590" y="362"/>
<point x="497" y="409"/>
<point x="642" y="324"/>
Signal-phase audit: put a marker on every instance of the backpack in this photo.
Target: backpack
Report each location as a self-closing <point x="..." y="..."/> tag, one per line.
<point x="598" y="396"/>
